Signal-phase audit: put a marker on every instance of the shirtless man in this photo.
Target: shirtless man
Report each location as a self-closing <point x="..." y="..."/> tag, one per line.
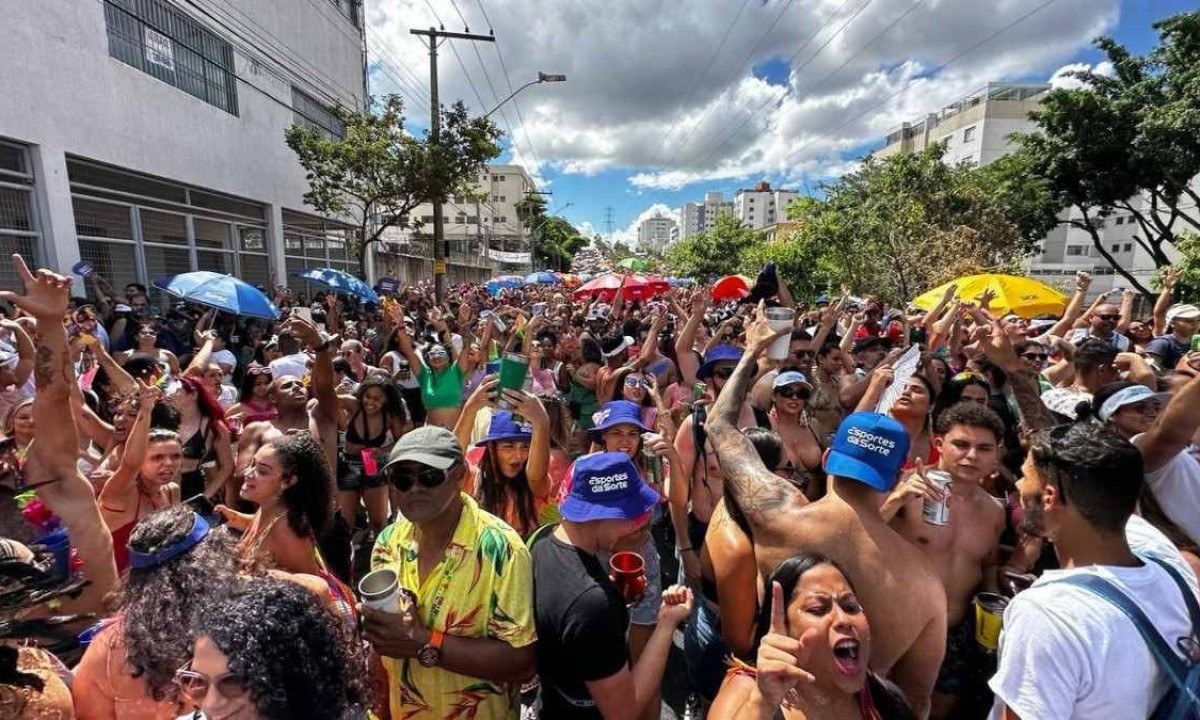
<point x="897" y="584"/>
<point x="965" y="550"/>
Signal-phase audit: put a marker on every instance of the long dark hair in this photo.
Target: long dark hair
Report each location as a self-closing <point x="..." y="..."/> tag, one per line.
<point x="246" y="389"/>
<point x="309" y="501"/>
<point x="157" y="603"/>
<point x="494" y="491"/>
<point x="393" y="403"/>
<point x="888" y="700"/>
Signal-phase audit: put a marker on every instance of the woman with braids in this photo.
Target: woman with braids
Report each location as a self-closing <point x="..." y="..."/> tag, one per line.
<point x="289" y="481"/>
<point x="814" y="648"/>
<point x="377" y="420"/>
<point x="177" y="563"/>
<point x="270" y="652"/>
<point x="512" y="478"/>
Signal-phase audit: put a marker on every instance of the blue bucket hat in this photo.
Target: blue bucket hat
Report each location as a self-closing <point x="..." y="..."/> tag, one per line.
<point x="870" y="448"/>
<point x="618" y="412"/>
<point x="719" y="353"/>
<point x="606" y="486"/>
<point x="504" y="426"/>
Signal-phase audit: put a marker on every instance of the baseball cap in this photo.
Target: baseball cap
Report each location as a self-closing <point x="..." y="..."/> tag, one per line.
<point x="870" y="448"/>
<point x="719" y="353"/>
<point x="606" y="486"/>
<point x="1182" y="311"/>
<point x="791" y="377"/>
<point x="430" y="445"/>
<point x="1128" y="396"/>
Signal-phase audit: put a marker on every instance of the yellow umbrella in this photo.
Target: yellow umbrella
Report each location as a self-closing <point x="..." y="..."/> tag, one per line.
<point x="1014" y="294"/>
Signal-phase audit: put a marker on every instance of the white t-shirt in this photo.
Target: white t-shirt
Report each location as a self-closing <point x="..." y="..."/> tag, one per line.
<point x="1069" y="654"/>
<point x="1176" y="486"/>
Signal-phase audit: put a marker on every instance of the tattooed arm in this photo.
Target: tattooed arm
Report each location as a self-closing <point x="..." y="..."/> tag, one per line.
<point x="756" y="489"/>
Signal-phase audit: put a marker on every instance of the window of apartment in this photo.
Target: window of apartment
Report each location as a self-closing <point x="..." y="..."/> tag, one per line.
<point x="1116" y="247"/>
<point x="460" y="220"/>
<point x="18" y="225"/>
<point x="426" y="219"/>
<point x="1128" y="247"/>
<point x="161" y="40"/>
<point x="1077" y="250"/>
<point x="1120" y="220"/>
<point x="310" y="112"/>
<point x="969" y="134"/>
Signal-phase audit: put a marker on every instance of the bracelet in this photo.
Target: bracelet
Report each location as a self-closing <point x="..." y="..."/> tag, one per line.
<point x="687" y="549"/>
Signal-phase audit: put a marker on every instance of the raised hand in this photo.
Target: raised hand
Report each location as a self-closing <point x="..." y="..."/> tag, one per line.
<point x="305" y="331"/>
<point x="1171" y="278"/>
<point x="781" y="657"/>
<point x="759" y="333"/>
<point x="46" y="293"/>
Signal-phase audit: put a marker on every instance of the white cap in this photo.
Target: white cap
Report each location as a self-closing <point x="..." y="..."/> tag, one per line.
<point x="1129" y="396"/>
<point x="1184" y="311"/>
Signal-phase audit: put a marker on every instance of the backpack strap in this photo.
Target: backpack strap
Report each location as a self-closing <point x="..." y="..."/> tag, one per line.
<point x="1170" y="663"/>
<point x="1189" y="598"/>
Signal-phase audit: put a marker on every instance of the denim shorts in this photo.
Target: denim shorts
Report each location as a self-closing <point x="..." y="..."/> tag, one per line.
<point x="646" y="611"/>
<point x="704" y="650"/>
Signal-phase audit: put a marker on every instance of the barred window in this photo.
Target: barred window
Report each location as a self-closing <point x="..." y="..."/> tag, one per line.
<point x="310" y="112"/>
<point x="161" y="40"/>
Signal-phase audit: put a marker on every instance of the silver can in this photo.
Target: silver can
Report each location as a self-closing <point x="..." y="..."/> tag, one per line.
<point x="937" y="512"/>
<point x="653" y="463"/>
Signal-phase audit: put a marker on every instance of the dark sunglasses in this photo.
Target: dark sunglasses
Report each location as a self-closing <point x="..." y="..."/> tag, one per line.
<point x="428" y="478"/>
<point x="194" y="685"/>
<point x="1109" y="317"/>
<point x="723" y="373"/>
<point x="1040" y="357"/>
<point x="794" y="393"/>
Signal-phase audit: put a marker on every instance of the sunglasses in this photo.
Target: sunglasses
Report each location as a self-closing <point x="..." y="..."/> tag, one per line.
<point x="1109" y="317"/>
<point x="194" y="685"/>
<point x="794" y="393"/>
<point x="258" y="370"/>
<point x="428" y="478"/>
<point x="723" y="373"/>
<point x="634" y="382"/>
<point x="1039" y="357"/>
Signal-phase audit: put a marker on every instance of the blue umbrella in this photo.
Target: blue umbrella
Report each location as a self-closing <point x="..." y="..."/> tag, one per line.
<point x="223" y="292"/>
<point x="542" y="278"/>
<point x="496" y="284"/>
<point x="340" y="282"/>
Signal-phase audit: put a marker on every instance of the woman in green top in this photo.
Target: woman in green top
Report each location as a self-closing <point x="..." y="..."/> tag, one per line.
<point x="442" y="376"/>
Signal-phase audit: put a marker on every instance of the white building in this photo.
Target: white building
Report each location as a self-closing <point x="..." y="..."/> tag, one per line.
<point x="976" y="131"/>
<point x="655" y="233"/>
<point x="481" y="228"/>
<point x="691" y="217"/>
<point x="760" y="206"/>
<point x="146" y="136"/>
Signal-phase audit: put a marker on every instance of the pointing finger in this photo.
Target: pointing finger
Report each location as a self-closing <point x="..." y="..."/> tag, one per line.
<point x="22" y="269"/>
<point x="778" y="612"/>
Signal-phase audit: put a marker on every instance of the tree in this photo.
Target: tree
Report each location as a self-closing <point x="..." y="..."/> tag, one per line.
<point x="376" y="173"/>
<point x="896" y="227"/>
<point x="716" y="252"/>
<point x="1129" y="143"/>
<point x="555" y="244"/>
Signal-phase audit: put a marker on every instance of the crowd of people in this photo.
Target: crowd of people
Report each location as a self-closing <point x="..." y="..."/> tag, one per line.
<point x="866" y="512"/>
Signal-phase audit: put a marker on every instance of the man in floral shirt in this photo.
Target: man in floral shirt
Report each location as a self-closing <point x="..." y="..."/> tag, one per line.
<point x="464" y="647"/>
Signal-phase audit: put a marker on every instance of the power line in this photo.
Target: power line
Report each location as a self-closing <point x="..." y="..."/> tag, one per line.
<point x="385" y="52"/>
<point x="508" y="81"/>
<point x="387" y="67"/>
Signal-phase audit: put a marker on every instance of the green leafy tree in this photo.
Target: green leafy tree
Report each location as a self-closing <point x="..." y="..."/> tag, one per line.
<point x="716" y="252"/>
<point x="376" y="173"/>
<point x="555" y="244"/>
<point x="1129" y="143"/>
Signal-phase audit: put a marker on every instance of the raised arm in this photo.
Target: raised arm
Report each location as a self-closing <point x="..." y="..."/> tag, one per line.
<point x="1127" y="297"/>
<point x="25" y="351"/>
<point x="53" y="457"/>
<point x="120" y="491"/>
<point x="1170" y="279"/>
<point x="756" y="489"/>
<point x="203" y="357"/>
<point x="1176" y="424"/>
<point x="474" y="403"/>
<point x="121" y="379"/>
<point x="324" y="415"/>
<point x="686" y="342"/>
<point x="537" y="466"/>
<point x="1083" y="281"/>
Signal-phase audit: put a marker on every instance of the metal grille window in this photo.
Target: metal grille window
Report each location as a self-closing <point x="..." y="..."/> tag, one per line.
<point x="18" y="225"/>
<point x="160" y="40"/>
<point x="310" y="112"/>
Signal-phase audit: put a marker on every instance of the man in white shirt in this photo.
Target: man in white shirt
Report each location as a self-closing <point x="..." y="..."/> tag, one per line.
<point x="1067" y="653"/>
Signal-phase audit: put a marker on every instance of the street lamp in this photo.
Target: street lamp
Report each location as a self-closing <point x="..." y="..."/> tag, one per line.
<point x="541" y="78"/>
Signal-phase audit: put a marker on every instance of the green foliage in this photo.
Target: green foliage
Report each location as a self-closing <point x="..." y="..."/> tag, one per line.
<point x="376" y="173"/>
<point x="716" y="252"/>
<point x="555" y="244"/>
<point x="1101" y="148"/>
<point x="1187" y="289"/>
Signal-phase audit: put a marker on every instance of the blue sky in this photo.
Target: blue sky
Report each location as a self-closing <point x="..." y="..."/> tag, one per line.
<point x="657" y="98"/>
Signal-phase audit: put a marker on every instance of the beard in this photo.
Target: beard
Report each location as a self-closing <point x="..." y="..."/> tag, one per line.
<point x="1034" y="520"/>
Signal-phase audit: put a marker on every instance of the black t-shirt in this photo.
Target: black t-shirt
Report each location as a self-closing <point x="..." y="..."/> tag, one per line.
<point x="581" y="623"/>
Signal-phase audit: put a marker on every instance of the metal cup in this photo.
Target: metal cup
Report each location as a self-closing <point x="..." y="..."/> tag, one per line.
<point x="380" y="590"/>
<point x="653" y="463"/>
<point x="989" y="618"/>
<point x="780" y="318"/>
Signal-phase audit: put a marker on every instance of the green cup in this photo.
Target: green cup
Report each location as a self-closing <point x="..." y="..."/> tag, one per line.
<point x="513" y="369"/>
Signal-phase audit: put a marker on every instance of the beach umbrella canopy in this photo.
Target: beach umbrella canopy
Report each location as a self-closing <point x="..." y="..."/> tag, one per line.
<point x="545" y="277"/>
<point x="1022" y="296"/>
<point x="571" y="280"/>
<point x="220" y="291"/>
<point x="631" y="263"/>
<point x="730" y="287"/>
<point x="339" y="282"/>
<point x="503" y="282"/>
<point x="637" y="287"/>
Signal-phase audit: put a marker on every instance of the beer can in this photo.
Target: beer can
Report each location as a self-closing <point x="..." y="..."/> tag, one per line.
<point x="653" y="463"/>
<point x="936" y="512"/>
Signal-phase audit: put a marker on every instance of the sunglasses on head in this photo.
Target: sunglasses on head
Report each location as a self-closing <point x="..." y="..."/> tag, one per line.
<point x="794" y="393"/>
<point x="427" y="478"/>
<point x="258" y="370"/>
<point x="194" y="685"/>
<point x="724" y="373"/>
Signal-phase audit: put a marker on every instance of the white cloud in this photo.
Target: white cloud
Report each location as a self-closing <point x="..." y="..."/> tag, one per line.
<point x="1064" y="78"/>
<point x="854" y="70"/>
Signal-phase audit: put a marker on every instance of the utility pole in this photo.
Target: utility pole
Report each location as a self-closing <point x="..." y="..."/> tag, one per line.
<point x="440" y="249"/>
<point x="608" y="221"/>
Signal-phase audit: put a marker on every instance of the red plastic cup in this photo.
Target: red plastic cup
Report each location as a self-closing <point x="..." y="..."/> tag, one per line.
<point x="370" y="465"/>
<point x="629" y="575"/>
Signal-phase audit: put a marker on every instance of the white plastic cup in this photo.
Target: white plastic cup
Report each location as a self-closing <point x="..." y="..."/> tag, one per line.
<point x="780" y="318"/>
<point x="380" y="590"/>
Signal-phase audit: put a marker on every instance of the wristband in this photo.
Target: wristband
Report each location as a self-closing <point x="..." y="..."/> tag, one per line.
<point x="686" y="549"/>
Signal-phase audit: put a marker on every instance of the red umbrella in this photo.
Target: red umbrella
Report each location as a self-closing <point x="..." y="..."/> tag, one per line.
<point x="730" y="287"/>
<point x="637" y="287"/>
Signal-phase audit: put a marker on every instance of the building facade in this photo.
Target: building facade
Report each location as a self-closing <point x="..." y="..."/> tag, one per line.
<point x="655" y="233"/>
<point x="146" y="137"/>
<point x="976" y="130"/>
<point x="760" y="206"/>
<point x="482" y="230"/>
<point x="691" y="220"/>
